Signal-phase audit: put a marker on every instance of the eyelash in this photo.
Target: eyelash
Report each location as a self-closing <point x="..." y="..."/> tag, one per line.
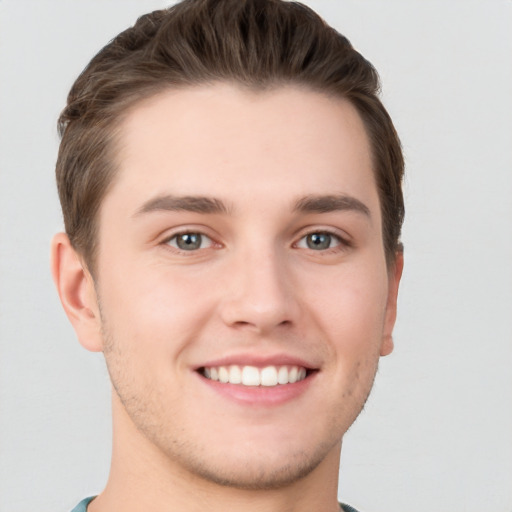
<point x="191" y="233"/>
<point x="341" y="242"/>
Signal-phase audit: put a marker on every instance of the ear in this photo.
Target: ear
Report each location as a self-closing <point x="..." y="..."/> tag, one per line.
<point x="75" y="287"/>
<point x="394" y="276"/>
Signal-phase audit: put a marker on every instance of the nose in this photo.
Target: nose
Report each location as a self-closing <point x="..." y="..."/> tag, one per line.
<point x="260" y="294"/>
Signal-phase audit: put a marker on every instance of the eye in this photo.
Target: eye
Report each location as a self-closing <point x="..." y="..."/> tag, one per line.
<point x="190" y="241"/>
<point x="319" y="241"/>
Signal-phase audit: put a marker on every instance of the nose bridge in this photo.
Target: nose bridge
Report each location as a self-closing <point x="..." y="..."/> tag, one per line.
<point x="260" y="289"/>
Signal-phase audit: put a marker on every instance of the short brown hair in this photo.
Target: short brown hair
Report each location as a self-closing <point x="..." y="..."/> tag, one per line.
<point x="255" y="43"/>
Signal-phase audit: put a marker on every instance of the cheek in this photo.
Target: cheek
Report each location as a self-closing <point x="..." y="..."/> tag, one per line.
<point x="351" y="305"/>
<point x="153" y="310"/>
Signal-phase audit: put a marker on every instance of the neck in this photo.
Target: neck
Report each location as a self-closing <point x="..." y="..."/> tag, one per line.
<point x="143" y="478"/>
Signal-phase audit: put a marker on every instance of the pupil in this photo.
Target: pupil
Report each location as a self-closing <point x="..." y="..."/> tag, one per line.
<point x="189" y="241"/>
<point x="319" y="241"/>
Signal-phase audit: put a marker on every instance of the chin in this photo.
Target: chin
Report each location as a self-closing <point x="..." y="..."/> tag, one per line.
<point x="255" y="468"/>
<point x="258" y="475"/>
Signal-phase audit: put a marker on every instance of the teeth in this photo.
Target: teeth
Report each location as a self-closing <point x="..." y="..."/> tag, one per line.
<point x="252" y="376"/>
<point x="282" y="375"/>
<point x="223" y="374"/>
<point x="235" y="375"/>
<point x="269" y="376"/>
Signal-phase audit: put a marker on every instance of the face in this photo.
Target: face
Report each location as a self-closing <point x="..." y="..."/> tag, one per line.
<point x="242" y="287"/>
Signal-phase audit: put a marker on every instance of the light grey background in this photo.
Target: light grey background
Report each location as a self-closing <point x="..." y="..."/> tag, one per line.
<point x="437" y="432"/>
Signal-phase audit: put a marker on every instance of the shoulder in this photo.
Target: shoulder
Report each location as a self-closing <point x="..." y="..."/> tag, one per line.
<point x="347" y="508"/>
<point x="82" y="506"/>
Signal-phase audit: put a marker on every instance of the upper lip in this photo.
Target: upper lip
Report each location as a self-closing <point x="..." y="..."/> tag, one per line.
<point x="260" y="361"/>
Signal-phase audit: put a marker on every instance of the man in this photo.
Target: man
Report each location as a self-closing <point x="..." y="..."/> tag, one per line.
<point x="231" y="191"/>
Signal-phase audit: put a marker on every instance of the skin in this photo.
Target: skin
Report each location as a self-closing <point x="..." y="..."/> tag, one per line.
<point x="255" y="288"/>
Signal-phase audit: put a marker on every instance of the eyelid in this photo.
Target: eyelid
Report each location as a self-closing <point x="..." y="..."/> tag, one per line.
<point x="204" y="238"/>
<point x="344" y="240"/>
<point x="183" y="230"/>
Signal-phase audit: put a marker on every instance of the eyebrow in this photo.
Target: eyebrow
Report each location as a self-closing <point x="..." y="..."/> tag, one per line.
<point x="196" y="204"/>
<point x="211" y="205"/>
<point x="331" y="203"/>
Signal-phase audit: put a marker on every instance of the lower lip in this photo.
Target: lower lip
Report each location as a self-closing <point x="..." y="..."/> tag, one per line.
<point x="260" y="395"/>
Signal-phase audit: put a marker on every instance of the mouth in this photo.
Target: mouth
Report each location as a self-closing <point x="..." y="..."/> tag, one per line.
<point x="253" y="376"/>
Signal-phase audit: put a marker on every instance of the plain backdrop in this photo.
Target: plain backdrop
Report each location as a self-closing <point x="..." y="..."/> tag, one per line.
<point x="437" y="432"/>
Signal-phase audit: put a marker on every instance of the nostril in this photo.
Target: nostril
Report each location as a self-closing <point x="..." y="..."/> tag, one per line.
<point x="241" y="323"/>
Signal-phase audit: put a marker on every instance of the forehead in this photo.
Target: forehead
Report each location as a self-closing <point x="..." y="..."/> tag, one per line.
<point x="242" y="145"/>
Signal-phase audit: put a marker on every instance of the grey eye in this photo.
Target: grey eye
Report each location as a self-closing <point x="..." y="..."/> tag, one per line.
<point x="190" y="241"/>
<point x="318" y="241"/>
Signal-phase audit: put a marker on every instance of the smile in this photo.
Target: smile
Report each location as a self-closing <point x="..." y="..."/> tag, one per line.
<point x="253" y="376"/>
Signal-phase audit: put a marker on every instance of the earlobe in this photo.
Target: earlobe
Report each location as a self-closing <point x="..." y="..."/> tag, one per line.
<point x="387" y="346"/>
<point x="75" y="287"/>
<point x="395" y="274"/>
